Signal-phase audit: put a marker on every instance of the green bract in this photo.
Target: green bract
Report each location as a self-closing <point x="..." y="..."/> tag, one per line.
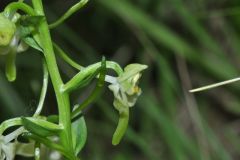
<point x="7" y="30"/>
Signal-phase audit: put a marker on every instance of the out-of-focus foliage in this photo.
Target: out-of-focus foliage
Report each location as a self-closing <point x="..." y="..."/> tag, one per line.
<point x="185" y="43"/>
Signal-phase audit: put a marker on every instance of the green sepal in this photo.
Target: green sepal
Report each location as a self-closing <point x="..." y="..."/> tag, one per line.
<point x="41" y="127"/>
<point x="79" y="134"/>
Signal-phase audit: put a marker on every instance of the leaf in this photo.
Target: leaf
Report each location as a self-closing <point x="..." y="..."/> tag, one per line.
<point x="41" y="127"/>
<point x="32" y="43"/>
<point x="79" y="134"/>
<point x="25" y="33"/>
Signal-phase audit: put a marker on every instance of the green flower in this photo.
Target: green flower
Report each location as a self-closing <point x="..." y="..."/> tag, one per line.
<point x="7" y="30"/>
<point x="125" y="88"/>
<point x="10" y="43"/>
<point x="126" y="92"/>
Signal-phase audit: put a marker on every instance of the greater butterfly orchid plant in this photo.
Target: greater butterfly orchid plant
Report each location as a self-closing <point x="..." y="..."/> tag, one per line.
<point x="66" y="132"/>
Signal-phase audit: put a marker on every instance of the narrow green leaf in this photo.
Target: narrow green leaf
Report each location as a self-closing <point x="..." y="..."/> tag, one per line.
<point x="41" y="127"/>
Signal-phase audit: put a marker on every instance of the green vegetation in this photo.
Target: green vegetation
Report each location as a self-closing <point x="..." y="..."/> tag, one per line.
<point x="65" y="132"/>
<point x="186" y="45"/>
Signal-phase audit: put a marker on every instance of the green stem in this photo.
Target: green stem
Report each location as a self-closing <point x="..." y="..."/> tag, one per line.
<point x="43" y="91"/>
<point x="62" y="98"/>
<point x="67" y="14"/>
<point x="14" y="6"/>
<point x="109" y="64"/>
<point x="66" y="58"/>
<point x="10" y="123"/>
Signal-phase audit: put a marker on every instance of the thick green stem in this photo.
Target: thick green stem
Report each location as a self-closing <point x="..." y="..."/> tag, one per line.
<point x="62" y="98"/>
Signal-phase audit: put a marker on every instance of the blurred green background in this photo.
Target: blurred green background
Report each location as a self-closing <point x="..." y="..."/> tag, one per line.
<point x="185" y="43"/>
